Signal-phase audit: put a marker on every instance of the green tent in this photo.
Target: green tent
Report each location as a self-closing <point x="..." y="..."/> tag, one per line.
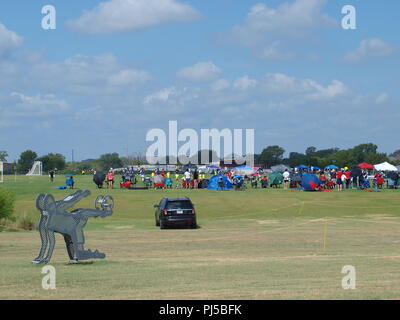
<point x="275" y="178"/>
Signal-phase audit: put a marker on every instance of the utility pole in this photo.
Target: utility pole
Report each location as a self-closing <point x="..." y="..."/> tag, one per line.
<point x="72" y="155"/>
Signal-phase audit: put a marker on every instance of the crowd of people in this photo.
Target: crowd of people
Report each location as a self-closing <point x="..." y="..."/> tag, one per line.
<point x="329" y="179"/>
<point x="339" y="179"/>
<point x="344" y="178"/>
<point x="189" y="179"/>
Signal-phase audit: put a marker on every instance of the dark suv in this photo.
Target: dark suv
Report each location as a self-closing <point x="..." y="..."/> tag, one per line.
<point x="175" y="212"/>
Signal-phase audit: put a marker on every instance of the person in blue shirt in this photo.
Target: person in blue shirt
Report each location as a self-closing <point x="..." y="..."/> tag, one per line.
<point x="70" y="182"/>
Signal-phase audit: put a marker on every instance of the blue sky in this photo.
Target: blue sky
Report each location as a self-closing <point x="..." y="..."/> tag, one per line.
<point x="114" y="69"/>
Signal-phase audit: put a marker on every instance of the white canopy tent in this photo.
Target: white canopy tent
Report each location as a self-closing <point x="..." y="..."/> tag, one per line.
<point x="244" y="170"/>
<point x="385" y="166"/>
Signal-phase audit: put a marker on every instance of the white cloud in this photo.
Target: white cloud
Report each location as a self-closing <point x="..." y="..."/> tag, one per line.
<point x="335" y="89"/>
<point x="200" y="72"/>
<point x="9" y="40"/>
<point x="382" y="98"/>
<point x="173" y="100"/>
<point x="127" y="15"/>
<point x="306" y="88"/>
<point x="289" y="19"/>
<point x="90" y="75"/>
<point x="244" y="83"/>
<point x="163" y="95"/>
<point x="129" y="77"/>
<point x="368" y="48"/>
<point x="35" y="106"/>
<point x="220" y="84"/>
<point x="274" y="52"/>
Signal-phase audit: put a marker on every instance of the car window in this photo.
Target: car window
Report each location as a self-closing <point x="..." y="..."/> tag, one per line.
<point x="179" y="205"/>
<point x="162" y="203"/>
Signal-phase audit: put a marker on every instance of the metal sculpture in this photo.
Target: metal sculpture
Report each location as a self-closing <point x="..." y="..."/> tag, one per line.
<point x="54" y="217"/>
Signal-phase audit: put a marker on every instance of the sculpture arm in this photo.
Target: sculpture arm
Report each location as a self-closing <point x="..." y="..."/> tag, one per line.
<point x="88" y="213"/>
<point x="70" y="201"/>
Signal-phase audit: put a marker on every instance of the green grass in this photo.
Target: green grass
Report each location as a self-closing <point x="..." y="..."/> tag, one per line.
<point x="253" y="244"/>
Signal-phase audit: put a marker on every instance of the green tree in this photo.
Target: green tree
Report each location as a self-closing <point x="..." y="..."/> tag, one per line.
<point x="296" y="158"/>
<point x="7" y="200"/>
<point x="52" y="161"/>
<point x="310" y="151"/>
<point x="3" y="156"/>
<point x="361" y="152"/>
<point x="110" y="160"/>
<point x="376" y="158"/>
<point x="26" y="160"/>
<point x="343" y="158"/>
<point x="271" y="156"/>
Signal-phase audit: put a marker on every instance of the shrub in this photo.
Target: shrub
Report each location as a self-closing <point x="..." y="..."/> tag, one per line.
<point x="7" y="200"/>
<point x="26" y="222"/>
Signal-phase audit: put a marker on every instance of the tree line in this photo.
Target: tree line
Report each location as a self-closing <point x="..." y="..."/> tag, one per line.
<point x="270" y="156"/>
<point x="368" y="152"/>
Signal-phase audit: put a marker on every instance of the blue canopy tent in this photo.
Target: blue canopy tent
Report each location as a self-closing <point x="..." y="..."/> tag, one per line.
<point x="213" y="184"/>
<point x="310" y="182"/>
<point x="302" y="166"/>
<point x="331" y="166"/>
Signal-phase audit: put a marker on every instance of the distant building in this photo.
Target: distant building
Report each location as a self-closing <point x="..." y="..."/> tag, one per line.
<point x="8" y="168"/>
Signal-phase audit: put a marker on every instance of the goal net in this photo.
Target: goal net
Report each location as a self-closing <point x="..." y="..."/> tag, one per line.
<point x="36" y="169"/>
<point x="1" y="172"/>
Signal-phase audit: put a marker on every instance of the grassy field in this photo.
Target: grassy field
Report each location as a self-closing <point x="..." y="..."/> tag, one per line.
<point x="253" y="244"/>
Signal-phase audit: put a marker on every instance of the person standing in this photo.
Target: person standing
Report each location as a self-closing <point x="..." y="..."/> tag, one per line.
<point x="348" y="178"/>
<point x="52" y="173"/>
<point x="110" y="179"/>
<point x="322" y="179"/>
<point x="70" y="182"/>
<point x="339" y="180"/>
<point x="286" y="179"/>
<point x="187" y="178"/>
<point x="333" y="176"/>
<point x="195" y="179"/>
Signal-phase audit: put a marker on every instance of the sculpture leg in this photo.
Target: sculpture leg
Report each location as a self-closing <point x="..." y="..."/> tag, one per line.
<point x="79" y="244"/>
<point x="43" y="237"/>
<point x="70" y="246"/>
<point x="52" y="242"/>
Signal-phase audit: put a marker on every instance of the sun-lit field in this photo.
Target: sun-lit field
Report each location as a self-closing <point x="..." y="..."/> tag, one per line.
<point x="253" y="244"/>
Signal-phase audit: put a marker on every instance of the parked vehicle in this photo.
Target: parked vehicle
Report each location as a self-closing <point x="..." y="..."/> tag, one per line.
<point x="174" y="212"/>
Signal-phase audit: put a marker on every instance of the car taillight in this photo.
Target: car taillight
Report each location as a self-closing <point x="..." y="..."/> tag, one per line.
<point x="193" y="211"/>
<point x="165" y="212"/>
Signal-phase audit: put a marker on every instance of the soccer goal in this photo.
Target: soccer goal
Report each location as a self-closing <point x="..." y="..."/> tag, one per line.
<point x="1" y="172"/>
<point x="36" y="169"/>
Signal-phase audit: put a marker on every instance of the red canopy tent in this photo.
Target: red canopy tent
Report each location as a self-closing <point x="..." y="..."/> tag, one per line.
<point x="365" y="165"/>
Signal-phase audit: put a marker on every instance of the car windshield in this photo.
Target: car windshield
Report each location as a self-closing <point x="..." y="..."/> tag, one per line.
<point x="179" y="205"/>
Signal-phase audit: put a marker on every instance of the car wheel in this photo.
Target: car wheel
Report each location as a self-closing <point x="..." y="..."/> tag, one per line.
<point x="157" y="222"/>
<point x="162" y="225"/>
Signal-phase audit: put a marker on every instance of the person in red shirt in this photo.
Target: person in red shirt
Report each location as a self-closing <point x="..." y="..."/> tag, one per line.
<point x="348" y="176"/>
<point x="322" y="179"/>
<point x="110" y="179"/>
<point x="339" y="180"/>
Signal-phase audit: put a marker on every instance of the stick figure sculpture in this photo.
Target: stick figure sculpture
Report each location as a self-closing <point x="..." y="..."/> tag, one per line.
<point x="54" y="217"/>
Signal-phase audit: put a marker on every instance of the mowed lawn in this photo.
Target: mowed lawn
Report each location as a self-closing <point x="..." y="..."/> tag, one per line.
<point x="253" y="244"/>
